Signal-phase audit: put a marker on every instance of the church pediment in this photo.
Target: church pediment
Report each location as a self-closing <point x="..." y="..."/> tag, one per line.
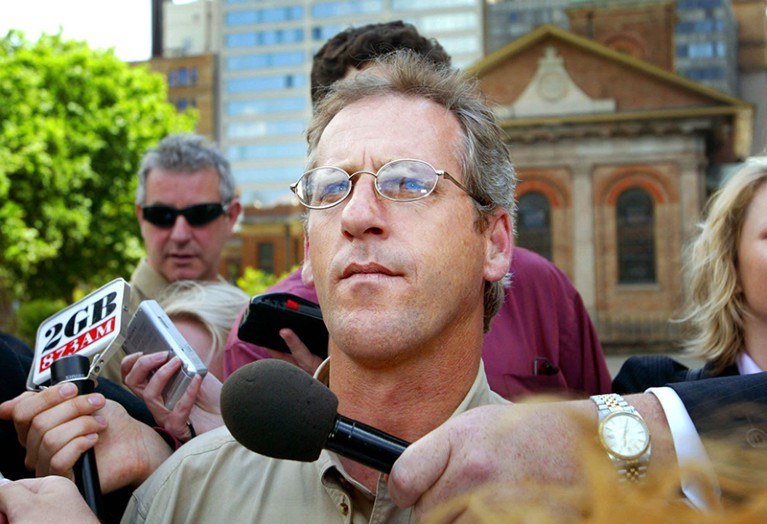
<point x="553" y="92"/>
<point x="554" y="77"/>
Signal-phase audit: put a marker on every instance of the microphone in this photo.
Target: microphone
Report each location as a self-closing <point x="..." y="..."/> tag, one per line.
<point x="75" y="369"/>
<point x="278" y="410"/>
<point x="94" y="326"/>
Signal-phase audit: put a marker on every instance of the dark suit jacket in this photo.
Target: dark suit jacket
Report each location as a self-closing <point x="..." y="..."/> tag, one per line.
<point x="732" y="407"/>
<point x="641" y="372"/>
<point x="729" y="406"/>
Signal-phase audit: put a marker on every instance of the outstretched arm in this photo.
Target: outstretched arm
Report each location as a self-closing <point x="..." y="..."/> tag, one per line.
<point x="511" y="444"/>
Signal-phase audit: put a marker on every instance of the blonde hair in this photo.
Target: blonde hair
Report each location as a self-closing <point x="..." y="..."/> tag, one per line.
<point x="716" y="306"/>
<point x="215" y="305"/>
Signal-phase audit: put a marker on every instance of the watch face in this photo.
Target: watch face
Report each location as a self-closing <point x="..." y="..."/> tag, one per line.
<point x="625" y="435"/>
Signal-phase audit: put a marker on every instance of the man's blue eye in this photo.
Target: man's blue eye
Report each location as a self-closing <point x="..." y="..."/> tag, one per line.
<point x="412" y="185"/>
<point x="403" y="188"/>
<point x="333" y="190"/>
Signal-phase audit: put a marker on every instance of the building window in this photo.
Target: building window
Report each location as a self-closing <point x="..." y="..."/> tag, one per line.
<point x="183" y="76"/>
<point x="263" y="151"/>
<point x="268" y="37"/>
<point x="258" y="106"/>
<point x="266" y="257"/>
<point x="636" y="237"/>
<point x="322" y="33"/>
<point x="534" y="223"/>
<point x="265" y="60"/>
<point x="264" y="16"/>
<point x="266" y="83"/>
<point x="346" y="8"/>
<point x="257" y="128"/>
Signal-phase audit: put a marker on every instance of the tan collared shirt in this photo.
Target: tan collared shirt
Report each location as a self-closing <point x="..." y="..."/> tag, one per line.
<point x="145" y="284"/>
<point x="215" y="479"/>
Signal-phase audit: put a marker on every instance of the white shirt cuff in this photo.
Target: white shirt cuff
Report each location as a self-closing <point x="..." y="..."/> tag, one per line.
<point x="696" y="472"/>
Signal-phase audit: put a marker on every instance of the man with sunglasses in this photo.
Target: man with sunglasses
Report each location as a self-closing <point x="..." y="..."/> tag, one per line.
<point x="186" y="207"/>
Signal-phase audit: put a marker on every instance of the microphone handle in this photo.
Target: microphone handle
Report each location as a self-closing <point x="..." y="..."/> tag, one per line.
<point x="365" y="444"/>
<point x="75" y="369"/>
<point x="86" y="471"/>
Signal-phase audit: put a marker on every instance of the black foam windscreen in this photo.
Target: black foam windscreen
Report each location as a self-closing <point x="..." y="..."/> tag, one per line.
<point x="278" y="410"/>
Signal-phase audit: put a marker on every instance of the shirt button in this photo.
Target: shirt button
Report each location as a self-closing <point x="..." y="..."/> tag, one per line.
<point x="344" y="507"/>
<point x="756" y="438"/>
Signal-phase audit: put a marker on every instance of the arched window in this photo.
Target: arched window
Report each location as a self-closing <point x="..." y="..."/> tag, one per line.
<point x="636" y="237"/>
<point x="534" y="223"/>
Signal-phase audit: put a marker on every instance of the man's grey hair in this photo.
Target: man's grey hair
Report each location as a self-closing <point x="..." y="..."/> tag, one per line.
<point x="484" y="158"/>
<point x="186" y="152"/>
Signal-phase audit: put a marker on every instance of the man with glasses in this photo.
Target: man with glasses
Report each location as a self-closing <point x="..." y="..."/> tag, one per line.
<point x="409" y="191"/>
<point x="408" y="265"/>
<point x="186" y="208"/>
<point x="408" y="239"/>
<point x="520" y="356"/>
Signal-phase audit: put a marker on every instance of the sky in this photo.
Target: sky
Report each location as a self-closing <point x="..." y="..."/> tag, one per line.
<point x="124" y="25"/>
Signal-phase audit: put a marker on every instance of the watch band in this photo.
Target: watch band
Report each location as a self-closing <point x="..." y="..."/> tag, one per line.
<point x="630" y="469"/>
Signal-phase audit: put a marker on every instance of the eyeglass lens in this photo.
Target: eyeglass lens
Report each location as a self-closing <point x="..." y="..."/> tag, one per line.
<point x="197" y="215"/>
<point x="401" y="180"/>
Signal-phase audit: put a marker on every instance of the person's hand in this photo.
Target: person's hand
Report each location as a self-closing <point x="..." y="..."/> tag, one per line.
<point x="514" y="449"/>
<point x="56" y="426"/>
<point x="138" y="369"/>
<point x="299" y="353"/>
<point x="498" y="444"/>
<point x="148" y="375"/>
<point x="44" y="500"/>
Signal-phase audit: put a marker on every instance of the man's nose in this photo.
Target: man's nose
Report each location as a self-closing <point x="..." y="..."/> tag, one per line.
<point x="362" y="212"/>
<point x="181" y="229"/>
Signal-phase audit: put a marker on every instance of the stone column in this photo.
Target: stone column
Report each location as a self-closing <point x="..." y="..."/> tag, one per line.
<point x="584" y="258"/>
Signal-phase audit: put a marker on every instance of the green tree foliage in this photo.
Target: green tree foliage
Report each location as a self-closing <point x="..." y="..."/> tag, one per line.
<point x="74" y="124"/>
<point x="256" y="281"/>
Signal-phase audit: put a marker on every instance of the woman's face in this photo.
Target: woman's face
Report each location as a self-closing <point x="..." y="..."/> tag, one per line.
<point x="752" y="255"/>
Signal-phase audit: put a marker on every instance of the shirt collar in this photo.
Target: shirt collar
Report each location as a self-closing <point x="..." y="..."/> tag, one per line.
<point x="479" y="394"/>
<point x="746" y="365"/>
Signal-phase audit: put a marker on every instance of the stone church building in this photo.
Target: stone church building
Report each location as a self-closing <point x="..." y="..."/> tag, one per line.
<point x="613" y="155"/>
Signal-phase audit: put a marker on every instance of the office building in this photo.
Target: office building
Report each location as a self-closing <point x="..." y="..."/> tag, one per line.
<point x="265" y="59"/>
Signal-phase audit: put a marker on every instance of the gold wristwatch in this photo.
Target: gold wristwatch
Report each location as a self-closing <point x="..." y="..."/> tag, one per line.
<point x="624" y="435"/>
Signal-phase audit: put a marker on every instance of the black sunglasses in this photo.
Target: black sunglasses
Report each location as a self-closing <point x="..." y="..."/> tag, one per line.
<point x="197" y="215"/>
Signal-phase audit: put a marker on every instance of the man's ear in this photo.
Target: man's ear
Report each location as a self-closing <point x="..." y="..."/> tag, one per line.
<point x="306" y="269"/>
<point x="142" y="224"/>
<point x="499" y="243"/>
<point x="233" y="212"/>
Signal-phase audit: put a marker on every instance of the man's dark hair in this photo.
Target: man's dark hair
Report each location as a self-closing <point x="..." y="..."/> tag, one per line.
<point x="356" y="46"/>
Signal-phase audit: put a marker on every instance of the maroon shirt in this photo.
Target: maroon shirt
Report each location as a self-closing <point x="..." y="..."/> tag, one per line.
<point x="541" y="341"/>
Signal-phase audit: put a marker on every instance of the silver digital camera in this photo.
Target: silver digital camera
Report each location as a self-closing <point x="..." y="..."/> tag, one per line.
<point x="151" y="331"/>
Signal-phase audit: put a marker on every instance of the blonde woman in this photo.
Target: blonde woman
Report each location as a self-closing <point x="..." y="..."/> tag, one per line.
<point x="727" y="306"/>
<point x="204" y="313"/>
